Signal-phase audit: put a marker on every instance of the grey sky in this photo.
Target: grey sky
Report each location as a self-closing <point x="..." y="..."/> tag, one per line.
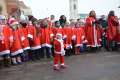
<point x="44" y="8"/>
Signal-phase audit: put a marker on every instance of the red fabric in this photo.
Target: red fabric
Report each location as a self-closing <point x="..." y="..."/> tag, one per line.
<point x="69" y="34"/>
<point x="89" y="32"/>
<point x="58" y="58"/>
<point x="58" y="30"/>
<point x="112" y="31"/>
<point x="16" y="43"/>
<point x="5" y="42"/>
<point x="62" y="60"/>
<point x="24" y="34"/>
<point x="79" y="32"/>
<point x="57" y="46"/>
<point x="36" y="38"/>
<point x="46" y="35"/>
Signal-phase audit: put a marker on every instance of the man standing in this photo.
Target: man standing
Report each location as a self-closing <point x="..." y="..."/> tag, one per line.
<point x="103" y="22"/>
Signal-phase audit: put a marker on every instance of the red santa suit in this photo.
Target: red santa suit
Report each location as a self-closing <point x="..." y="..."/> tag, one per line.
<point x="92" y="33"/>
<point x="68" y="40"/>
<point x="4" y="39"/>
<point x="59" y="30"/>
<point x="46" y="37"/>
<point x="59" y="51"/>
<point x="34" y="38"/>
<point x="24" y="33"/>
<point x="80" y="36"/>
<point x="16" y="47"/>
<point x="112" y="30"/>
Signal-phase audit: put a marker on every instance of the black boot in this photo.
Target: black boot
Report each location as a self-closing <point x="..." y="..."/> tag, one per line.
<point x="7" y="62"/>
<point x="1" y="64"/>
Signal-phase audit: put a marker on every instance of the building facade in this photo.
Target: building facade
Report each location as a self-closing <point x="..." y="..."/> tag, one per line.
<point x="11" y="6"/>
<point x="73" y="5"/>
<point x="3" y="6"/>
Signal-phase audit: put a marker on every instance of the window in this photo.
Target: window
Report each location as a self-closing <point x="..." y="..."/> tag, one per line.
<point x="74" y="7"/>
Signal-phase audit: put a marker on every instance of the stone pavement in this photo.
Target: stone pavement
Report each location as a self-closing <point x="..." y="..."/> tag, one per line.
<point x="92" y="66"/>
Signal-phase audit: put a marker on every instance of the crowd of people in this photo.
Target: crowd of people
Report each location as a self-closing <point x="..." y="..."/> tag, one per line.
<point x="32" y="39"/>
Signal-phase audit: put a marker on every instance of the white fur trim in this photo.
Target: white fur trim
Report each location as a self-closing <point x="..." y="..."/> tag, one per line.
<point x="56" y="65"/>
<point x="22" y="38"/>
<point x="14" y="23"/>
<point x="51" y="35"/>
<point x="30" y="36"/>
<point x="73" y="37"/>
<point x="95" y="45"/>
<point x="85" y="41"/>
<point x="17" y="52"/>
<point x="100" y="39"/>
<point x="62" y="53"/>
<point x="95" y="35"/>
<point x="59" y="34"/>
<point x="118" y="43"/>
<point x="26" y="48"/>
<point x="65" y="36"/>
<point x="5" y="52"/>
<point x="36" y="47"/>
<point x="88" y="45"/>
<point x="60" y="40"/>
<point x="78" y="45"/>
<point x="62" y="64"/>
<point x="83" y="37"/>
<point x="103" y="34"/>
<point x="46" y="45"/>
<point x="57" y="52"/>
<point x="11" y="38"/>
<point x="68" y="46"/>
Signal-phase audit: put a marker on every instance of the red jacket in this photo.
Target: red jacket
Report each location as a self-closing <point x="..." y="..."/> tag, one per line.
<point x="92" y="33"/>
<point x="60" y="31"/>
<point x="4" y="39"/>
<point x="112" y="30"/>
<point x="46" y="37"/>
<point x="68" y="33"/>
<point x="16" y="43"/>
<point x="80" y="36"/>
<point x="25" y="41"/>
<point x="34" y="38"/>
<point x="59" y="47"/>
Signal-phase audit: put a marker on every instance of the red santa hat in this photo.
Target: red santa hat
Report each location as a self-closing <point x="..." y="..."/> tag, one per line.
<point x="13" y="21"/>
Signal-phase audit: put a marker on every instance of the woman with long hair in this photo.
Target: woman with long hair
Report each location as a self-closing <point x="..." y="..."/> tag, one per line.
<point x="92" y="31"/>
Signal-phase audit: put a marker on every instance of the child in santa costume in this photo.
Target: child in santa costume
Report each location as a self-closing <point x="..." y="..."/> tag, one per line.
<point x="34" y="41"/>
<point x="46" y="38"/>
<point x="16" y="42"/>
<point x="4" y="42"/>
<point x="59" y="52"/>
<point x="79" y="38"/>
<point x="26" y="46"/>
<point x="68" y="41"/>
